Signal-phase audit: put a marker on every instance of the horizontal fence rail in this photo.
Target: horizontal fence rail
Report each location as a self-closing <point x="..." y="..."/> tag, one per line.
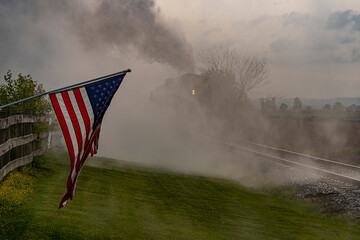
<point x="19" y="144"/>
<point x="16" y="119"/>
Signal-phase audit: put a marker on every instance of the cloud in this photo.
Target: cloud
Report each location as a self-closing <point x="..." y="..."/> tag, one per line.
<point x="299" y="37"/>
<point x="259" y="20"/>
<point x="342" y="19"/>
<point x="296" y="19"/>
<point x="211" y="31"/>
<point x="346" y="39"/>
<point x="281" y="45"/>
<point x="353" y="56"/>
<point x="299" y="20"/>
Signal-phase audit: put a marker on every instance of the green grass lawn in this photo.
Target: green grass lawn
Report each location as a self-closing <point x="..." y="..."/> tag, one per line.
<point x="130" y="203"/>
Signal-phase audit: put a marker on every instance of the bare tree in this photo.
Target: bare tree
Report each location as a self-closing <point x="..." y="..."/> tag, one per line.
<point x="243" y="71"/>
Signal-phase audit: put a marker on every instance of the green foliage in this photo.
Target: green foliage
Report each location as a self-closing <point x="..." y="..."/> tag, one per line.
<point x="283" y="107"/>
<point x="338" y="106"/>
<point x="297" y="105"/>
<point x="40" y="127"/>
<point x="22" y="87"/>
<point x="327" y="107"/>
<point x="130" y="203"/>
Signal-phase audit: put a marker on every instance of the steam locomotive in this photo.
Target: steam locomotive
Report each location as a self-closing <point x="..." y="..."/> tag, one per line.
<point x="182" y="92"/>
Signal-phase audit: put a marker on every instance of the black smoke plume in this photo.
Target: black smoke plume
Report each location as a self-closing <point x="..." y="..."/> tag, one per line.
<point x="98" y="24"/>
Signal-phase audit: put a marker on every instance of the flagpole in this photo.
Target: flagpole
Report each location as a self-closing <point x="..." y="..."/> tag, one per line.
<point x="69" y="87"/>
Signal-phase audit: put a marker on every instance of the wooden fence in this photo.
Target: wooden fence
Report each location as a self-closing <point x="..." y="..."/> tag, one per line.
<point x="18" y="142"/>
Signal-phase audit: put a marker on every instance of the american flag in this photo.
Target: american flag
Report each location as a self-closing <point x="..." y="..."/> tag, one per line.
<point x="80" y="112"/>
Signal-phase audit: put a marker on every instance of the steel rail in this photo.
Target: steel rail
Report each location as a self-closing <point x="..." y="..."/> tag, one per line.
<point x="333" y="163"/>
<point x="316" y="170"/>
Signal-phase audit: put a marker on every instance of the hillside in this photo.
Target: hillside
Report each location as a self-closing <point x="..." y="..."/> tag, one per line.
<point x="130" y="203"/>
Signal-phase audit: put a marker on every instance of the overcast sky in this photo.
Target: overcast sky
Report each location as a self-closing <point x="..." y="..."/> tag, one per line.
<point x="312" y="45"/>
<point x="312" y="48"/>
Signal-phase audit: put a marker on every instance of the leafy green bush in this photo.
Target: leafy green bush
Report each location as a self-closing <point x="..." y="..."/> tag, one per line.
<point x="22" y="87"/>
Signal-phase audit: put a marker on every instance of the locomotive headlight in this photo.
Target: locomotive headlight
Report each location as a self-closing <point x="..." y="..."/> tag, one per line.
<point x="193" y="92"/>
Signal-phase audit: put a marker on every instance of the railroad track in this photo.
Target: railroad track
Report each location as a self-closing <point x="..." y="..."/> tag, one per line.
<point x="340" y="173"/>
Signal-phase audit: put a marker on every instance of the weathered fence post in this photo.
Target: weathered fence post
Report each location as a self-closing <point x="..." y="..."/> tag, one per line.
<point x="4" y="136"/>
<point x="18" y="143"/>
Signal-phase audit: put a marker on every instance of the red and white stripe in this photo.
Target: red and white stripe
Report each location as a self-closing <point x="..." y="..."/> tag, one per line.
<point x="76" y="118"/>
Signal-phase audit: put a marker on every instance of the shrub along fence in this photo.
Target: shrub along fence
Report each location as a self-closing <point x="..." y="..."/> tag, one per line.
<point x="18" y="141"/>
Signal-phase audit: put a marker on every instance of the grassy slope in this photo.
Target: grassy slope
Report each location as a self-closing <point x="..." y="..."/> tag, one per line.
<point x="124" y="203"/>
